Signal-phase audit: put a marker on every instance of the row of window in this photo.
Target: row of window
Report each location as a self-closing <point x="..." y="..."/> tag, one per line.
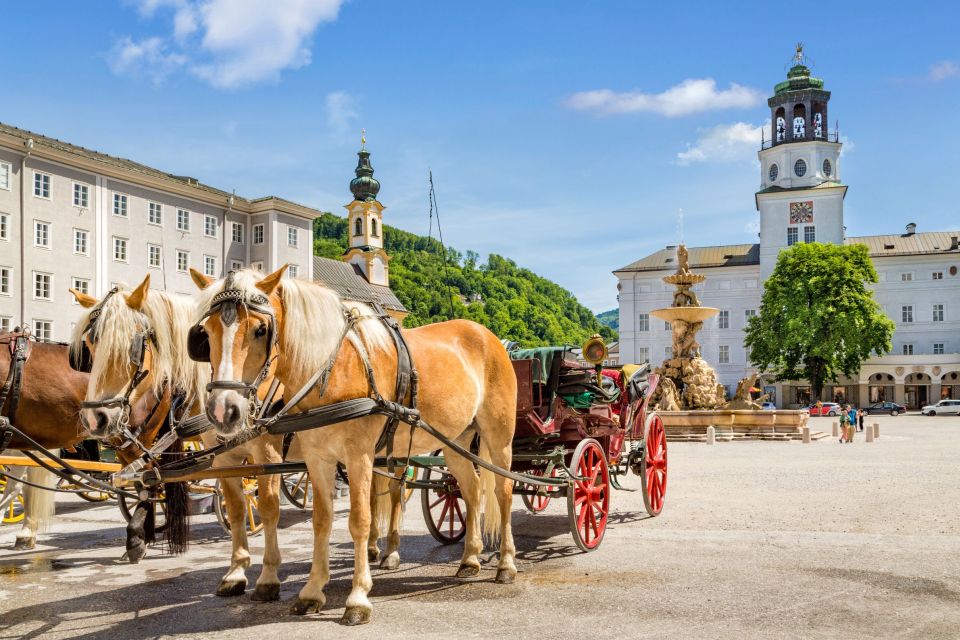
<point x="42" y="236"/>
<point x="793" y="235"/>
<point x="907" y="349"/>
<point x="358" y="227"/>
<point x="43" y="282"/>
<point x="907" y="276"/>
<point x="723" y="320"/>
<point x="906" y="313"/>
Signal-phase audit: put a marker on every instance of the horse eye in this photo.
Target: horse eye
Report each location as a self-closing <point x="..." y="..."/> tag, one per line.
<point x="261" y="331"/>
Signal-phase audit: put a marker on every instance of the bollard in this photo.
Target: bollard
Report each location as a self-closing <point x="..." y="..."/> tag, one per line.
<point x="876" y="430"/>
<point x="806" y="434"/>
<point x="711" y="435"/>
<point x="836" y="429"/>
<point x="869" y="434"/>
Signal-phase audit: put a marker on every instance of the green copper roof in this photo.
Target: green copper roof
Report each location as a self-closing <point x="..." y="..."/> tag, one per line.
<point x="798" y="79"/>
<point x="364" y="187"/>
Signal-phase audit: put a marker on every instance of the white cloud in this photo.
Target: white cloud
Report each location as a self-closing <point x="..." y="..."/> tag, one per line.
<point x="690" y="96"/>
<point x="944" y="70"/>
<point x="752" y="227"/>
<point x="341" y="113"/>
<point x="724" y="143"/>
<point x="236" y="43"/>
<point x="149" y="57"/>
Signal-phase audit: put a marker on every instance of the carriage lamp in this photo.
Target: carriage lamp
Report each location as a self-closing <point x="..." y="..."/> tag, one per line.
<point x="595" y="352"/>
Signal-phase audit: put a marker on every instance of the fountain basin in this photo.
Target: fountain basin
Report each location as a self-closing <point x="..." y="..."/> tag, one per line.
<point x="735" y="424"/>
<point x="687" y="314"/>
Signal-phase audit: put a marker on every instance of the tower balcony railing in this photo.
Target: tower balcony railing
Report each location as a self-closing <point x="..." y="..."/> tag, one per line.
<point x="827" y="136"/>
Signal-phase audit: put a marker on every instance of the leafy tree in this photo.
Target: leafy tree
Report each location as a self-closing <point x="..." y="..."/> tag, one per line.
<point x="511" y="301"/>
<point x="817" y="318"/>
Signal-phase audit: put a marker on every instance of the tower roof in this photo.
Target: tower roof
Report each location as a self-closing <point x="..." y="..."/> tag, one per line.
<point x="364" y="187"/>
<point x="798" y="77"/>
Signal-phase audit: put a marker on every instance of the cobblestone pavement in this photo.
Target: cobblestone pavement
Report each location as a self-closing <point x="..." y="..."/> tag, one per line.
<point x="757" y="539"/>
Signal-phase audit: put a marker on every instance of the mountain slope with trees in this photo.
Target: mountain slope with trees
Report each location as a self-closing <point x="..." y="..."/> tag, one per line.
<point x="511" y="301"/>
<point x="610" y="318"/>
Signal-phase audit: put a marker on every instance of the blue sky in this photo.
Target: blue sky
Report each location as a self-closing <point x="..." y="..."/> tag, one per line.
<point x="564" y="135"/>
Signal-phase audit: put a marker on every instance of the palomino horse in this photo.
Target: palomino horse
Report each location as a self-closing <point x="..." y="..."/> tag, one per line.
<point x="48" y="412"/>
<point x="466" y="387"/>
<point x="163" y="320"/>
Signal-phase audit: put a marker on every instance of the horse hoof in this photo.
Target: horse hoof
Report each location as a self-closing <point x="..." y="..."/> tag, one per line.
<point x="232" y="588"/>
<point x="373" y="555"/>
<point x="266" y="592"/>
<point x="506" y="576"/>
<point x="354" y="616"/>
<point x="468" y="571"/>
<point x="303" y="607"/>
<point x="24" y="544"/>
<point x="136" y="553"/>
<point x="390" y="562"/>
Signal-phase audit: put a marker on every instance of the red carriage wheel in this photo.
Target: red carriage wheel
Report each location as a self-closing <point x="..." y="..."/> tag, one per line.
<point x="653" y="466"/>
<point x="588" y="500"/>
<point x="443" y="507"/>
<point x="537" y="503"/>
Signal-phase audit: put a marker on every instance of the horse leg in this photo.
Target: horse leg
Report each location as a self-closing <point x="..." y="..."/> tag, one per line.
<point x="311" y="598"/>
<point x="360" y="471"/>
<point x="38" y="507"/>
<point x="234" y="583"/>
<point x="268" y="491"/>
<point x="391" y="558"/>
<point x="496" y="445"/>
<point x="462" y="469"/>
<point x="377" y="516"/>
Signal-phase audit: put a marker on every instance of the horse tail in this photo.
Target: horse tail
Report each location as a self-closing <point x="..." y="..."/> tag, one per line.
<point x="488" y="496"/>
<point x="38" y="504"/>
<point x="380" y="502"/>
<point x="177" y="531"/>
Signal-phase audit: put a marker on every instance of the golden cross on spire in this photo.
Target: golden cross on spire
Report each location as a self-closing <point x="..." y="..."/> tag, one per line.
<point x="363" y="139"/>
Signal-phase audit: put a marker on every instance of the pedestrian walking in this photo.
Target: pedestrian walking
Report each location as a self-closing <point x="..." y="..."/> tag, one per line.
<point x="844" y="425"/>
<point x="851" y="422"/>
<point x="861" y="416"/>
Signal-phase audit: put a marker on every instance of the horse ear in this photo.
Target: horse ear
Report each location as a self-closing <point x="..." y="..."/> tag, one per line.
<point x="83" y="299"/>
<point x="199" y="279"/>
<point x="138" y="296"/>
<point x="270" y="283"/>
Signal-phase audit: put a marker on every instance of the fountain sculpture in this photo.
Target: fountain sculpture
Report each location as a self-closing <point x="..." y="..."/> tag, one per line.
<point x="687" y="381"/>
<point x="689" y="397"/>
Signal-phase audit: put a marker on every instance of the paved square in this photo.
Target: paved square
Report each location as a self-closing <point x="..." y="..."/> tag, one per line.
<point x="757" y="539"/>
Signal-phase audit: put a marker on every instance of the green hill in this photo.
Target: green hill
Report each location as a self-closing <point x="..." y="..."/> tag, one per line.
<point x="511" y="301"/>
<point x="610" y="319"/>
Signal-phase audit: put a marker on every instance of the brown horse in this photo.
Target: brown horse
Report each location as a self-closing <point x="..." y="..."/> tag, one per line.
<point x="467" y="387"/>
<point x="48" y="412"/>
<point x="165" y="319"/>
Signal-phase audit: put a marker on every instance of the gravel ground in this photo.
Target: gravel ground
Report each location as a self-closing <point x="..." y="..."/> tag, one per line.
<point x="757" y="540"/>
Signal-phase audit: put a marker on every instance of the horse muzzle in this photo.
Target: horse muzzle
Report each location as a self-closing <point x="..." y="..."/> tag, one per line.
<point x="227" y="410"/>
<point x="101" y="419"/>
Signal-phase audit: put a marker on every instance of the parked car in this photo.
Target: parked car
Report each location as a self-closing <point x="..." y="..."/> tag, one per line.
<point x="942" y="408"/>
<point x="826" y="409"/>
<point x="892" y="408"/>
<point x="768" y="406"/>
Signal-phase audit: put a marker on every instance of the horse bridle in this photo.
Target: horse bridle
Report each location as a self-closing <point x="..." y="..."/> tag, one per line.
<point x="228" y="303"/>
<point x="82" y="361"/>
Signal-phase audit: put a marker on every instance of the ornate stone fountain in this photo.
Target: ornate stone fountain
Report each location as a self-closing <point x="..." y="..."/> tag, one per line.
<point x="686" y="380"/>
<point x="689" y="398"/>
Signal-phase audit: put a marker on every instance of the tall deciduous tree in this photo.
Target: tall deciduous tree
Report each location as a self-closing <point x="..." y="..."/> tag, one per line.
<point x="818" y="319"/>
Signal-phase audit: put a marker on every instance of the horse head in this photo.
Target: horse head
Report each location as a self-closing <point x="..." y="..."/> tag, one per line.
<point x="237" y="333"/>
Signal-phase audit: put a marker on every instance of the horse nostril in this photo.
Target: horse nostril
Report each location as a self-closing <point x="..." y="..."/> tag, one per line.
<point x="102" y="421"/>
<point x="233" y="415"/>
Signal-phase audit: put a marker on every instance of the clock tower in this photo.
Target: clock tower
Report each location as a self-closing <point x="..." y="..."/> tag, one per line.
<point x="801" y="196"/>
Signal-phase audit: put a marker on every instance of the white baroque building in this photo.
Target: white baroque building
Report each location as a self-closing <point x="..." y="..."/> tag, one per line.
<point x="73" y="217"/>
<point x="801" y="200"/>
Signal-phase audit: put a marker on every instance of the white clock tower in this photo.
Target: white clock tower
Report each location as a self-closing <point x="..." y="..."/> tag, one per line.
<point x="801" y="196"/>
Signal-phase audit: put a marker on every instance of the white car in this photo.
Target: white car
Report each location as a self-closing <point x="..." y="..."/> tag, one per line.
<point x="942" y="408"/>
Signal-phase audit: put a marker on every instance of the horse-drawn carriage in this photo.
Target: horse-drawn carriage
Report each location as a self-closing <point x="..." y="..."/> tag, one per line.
<point x="583" y="423"/>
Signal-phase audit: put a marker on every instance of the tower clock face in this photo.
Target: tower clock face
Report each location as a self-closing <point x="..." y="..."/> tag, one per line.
<point x="774" y="172"/>
<point x="801" y="212"/>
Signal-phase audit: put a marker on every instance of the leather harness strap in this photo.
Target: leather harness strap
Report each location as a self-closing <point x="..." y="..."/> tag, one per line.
<point x="19" y="347"/>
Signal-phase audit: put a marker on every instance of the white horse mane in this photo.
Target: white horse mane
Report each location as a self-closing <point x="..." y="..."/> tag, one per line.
<point x="169" y="316"/>
<point x="313" y="319"/>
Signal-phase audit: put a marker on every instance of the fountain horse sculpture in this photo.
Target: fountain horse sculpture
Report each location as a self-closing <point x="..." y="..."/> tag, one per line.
<point x="338" y="355"/>
<point x="135" y="342"/>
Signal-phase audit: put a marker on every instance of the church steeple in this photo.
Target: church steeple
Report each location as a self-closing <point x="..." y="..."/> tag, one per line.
<point x="798" y="108"/>
<point x="365" y="222"/>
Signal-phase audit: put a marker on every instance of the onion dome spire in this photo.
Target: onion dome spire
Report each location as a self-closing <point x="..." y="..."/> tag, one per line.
<point x="364" y="187"/>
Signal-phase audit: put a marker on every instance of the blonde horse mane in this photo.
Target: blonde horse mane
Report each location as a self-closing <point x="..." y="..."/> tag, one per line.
<point x="313" y="319"/>
<point x="170" y="317"/>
